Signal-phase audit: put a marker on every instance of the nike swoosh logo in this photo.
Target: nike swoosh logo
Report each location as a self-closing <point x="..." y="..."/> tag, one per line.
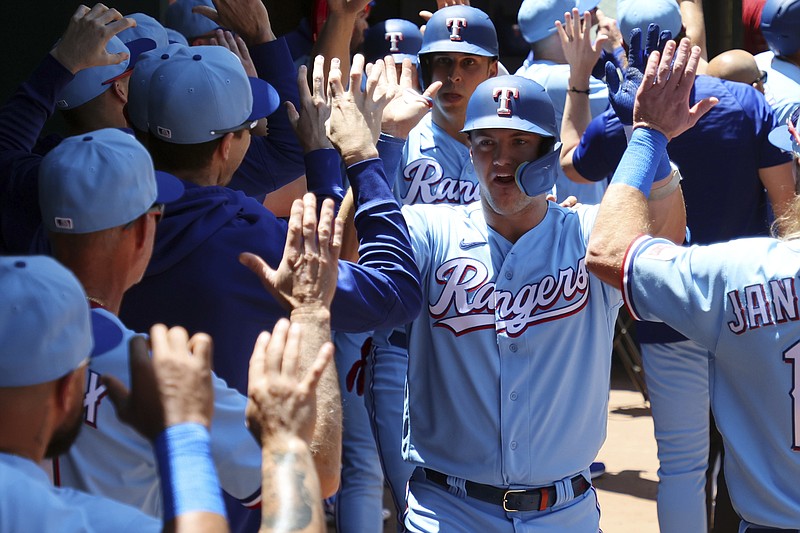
<point x="464" y="245"/>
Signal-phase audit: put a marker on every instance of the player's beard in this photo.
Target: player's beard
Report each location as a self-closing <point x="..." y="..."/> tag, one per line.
<point x="65" y="435"/>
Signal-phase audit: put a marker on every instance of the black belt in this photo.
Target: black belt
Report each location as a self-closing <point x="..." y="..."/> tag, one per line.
<point x="512" y="500"/>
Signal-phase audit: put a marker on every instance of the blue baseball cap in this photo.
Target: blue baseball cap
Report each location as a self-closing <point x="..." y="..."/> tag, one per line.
<point x="640" y="14"/>
<point x="139" y="84"/>
<point x="179" y="17"/>
<point x="90" y="83"/>
<point x="176" y="37"/>
<point x="586" y="5"/>
<point x="537" y="18"/>
<point x="45" y="327"/>
<point x="202" y="96"/>
<point x="146" y="28"/>
<point x="399" y="38"/>
<point x="787" y="136"/>
<point x="100" y="180"/>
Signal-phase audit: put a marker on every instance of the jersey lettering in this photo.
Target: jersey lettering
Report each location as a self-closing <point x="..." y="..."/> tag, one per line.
<point x="478" y="305"/>
<point x="394" y="38"/>
<point x="426" y="185"/>
<point x="455" y="24"/>
<point x="753" y="308"/>
<point x="791" y="356"/>
<point x="95" y="392"/>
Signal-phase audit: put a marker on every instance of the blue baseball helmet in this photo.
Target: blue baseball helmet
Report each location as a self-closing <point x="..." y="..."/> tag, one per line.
<point x="780" y="25"/>
<point x="399" y="38"/>
<point x="460" y="29"/>
<point x="517" y="103"/>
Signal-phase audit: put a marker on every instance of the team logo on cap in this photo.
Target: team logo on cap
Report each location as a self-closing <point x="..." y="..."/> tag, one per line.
<point x="64" y="223"/>
<point x="164" y="132"/>
<point x="456" y="24"/>
<point x="394" y="38"/>
<point x="503" y="95"/>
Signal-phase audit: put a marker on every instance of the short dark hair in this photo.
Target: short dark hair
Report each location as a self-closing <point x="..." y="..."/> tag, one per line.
<point x="171" y="157"/>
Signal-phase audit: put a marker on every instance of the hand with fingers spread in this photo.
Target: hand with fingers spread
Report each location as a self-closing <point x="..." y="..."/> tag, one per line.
<point x="309" y="121"/>
<point x="307" y="274"/>
<point x="579" y="51"/>
<point x="407" y="107"/>
<point x="355" y="122"/>
<point x="83" y="44"/>
<point x="608" y="26"/>
<point x="622" y="94"/>
<point x="280" y="400"/>
<point x="235" y="44"/>
<point x="174" y="387"/>
<point x="248" y="18"/>
<point x="662" y="101"/>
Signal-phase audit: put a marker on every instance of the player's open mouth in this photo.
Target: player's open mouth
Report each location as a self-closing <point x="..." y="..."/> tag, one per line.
<point x="504" y="178"/>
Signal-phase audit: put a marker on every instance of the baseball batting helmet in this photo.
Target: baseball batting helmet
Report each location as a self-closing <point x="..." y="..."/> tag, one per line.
<point x="399" y="37"/>
<point x="517" y="103"/>
<point x="459" y="28"/>
<point x="780" y="25"/>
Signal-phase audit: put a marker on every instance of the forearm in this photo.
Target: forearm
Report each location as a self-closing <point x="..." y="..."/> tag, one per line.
<point x="334" y="41"/>
<point x="326" y="444"/>
<point x="695" y="24"/>
<point x="577" y="115"/>
<point x="324" y="174"/>
<point x="291" y="493"/>
<point x="624" y="212"/>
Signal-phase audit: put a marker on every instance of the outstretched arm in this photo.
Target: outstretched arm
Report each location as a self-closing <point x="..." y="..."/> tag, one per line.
<point x="280" y="410"/>
<point x="661" y="112"/>
<point x="171" y="404"/>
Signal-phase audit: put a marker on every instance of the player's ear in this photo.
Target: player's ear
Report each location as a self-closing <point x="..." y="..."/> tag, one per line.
<point x="69" y="387"/>
<point x="493" y="66"/>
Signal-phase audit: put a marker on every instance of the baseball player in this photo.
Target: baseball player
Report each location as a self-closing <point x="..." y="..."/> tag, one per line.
<point x="85" y="196"/>
<point x="737" y="299"/>
<point x="741" y="169"/>
<point x="46" y="340"/>
<point x="780" y="26"/>
<point x="460" y="50"/>
<point x="514" y="327"/>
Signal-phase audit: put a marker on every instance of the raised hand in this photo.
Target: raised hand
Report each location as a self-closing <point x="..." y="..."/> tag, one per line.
<point x="83" y="44"/>
<point x="248" y="18"/>
<point x="407" y="106"/>
<point x="355" y="122"/>
<point x="279" y="399"/>
<point x="662" y="101"/>
<point x="172" y="388"/>
<point x="576" y="42"/>
<point x="309" y="121"/>
<point x="307" y="274"/>
<point x="622" y="94"/>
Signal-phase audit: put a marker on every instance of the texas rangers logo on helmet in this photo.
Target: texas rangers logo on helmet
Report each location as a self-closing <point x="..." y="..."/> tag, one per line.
<point x="456" y="24"/>
<point x="394" y="38"/>
<point x="503" y="95"/>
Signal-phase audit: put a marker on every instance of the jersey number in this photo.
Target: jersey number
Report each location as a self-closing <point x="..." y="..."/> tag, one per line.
<point x="95" y="392"/>
<point x="791" y="356"/>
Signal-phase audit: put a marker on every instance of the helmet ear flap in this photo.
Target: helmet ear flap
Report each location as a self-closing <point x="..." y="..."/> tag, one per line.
<point x="538" y="176"/>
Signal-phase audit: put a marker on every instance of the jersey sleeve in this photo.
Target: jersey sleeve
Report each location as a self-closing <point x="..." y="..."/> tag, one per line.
<point x="383" y="289"/>
<point x="601" y="147"/>
<point x="661" y="282"/>
<point x="236" y="454"/>
<point x="21" y="121"/>
<point x="277" y="159"/>
<point x="764" y="120"/>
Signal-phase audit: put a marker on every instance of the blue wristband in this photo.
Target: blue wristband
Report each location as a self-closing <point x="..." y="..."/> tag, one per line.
<point x="619" y="56"/>
<point x="188" y="478"/>
<point x="664" y="169"/>
<point x="641" y="160"/>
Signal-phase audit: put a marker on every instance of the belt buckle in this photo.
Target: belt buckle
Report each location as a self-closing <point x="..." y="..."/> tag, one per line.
<point x="505" y="500"/>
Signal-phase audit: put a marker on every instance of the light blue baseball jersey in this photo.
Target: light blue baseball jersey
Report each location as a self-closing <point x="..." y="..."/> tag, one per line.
<point x="29" y="502"/>
<point x="555" y="80"/>
<point x="739" y="300"/>
<point x="435" y="168"/>
<point x="509" y="361"/>
<point x="110" y="458"/>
